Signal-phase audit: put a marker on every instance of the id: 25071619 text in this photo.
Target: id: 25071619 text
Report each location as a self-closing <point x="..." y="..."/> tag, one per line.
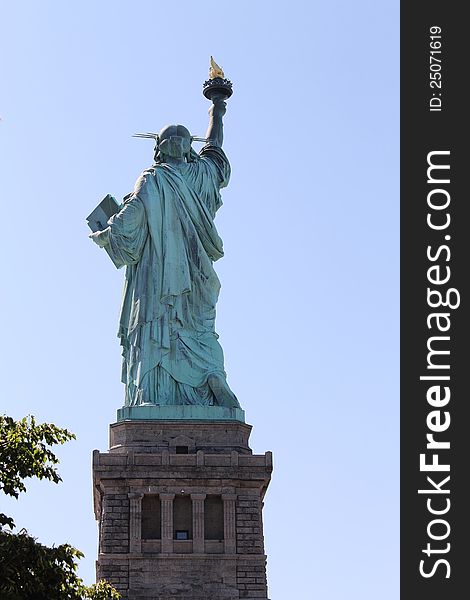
<point x="435" y="68"/>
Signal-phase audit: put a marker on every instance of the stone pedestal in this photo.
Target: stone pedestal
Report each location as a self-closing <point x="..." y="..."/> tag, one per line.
<point x="179" y="505"/>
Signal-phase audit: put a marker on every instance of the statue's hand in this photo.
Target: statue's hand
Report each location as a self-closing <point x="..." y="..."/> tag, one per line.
<point x="98" y="238"/>
<point x="219" y="106"/>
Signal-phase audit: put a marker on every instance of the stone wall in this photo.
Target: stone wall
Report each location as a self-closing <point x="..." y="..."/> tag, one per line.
<point x="114" y="526"/>
<point x="219" y="463"/>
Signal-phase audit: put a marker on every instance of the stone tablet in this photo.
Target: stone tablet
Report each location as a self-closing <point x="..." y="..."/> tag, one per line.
<point x="98" y="219"/>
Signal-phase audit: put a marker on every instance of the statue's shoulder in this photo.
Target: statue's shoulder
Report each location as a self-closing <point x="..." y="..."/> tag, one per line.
<point x="144" y="178"/>
<point x="218" y="163"/>
<point x="149" y="171"/>
<point x="212" y="150"/>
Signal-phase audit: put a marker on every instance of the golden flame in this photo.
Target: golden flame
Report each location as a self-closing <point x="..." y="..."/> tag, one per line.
<point x="215" y="70"/>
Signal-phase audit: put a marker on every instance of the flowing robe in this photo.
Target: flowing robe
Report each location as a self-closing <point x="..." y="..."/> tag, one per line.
<point x="165" y="235"/>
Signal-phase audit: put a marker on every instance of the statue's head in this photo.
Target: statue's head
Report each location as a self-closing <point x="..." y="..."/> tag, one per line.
<point x="174" y="141"/>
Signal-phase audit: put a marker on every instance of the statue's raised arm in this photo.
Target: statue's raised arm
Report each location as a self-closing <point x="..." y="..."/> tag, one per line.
<point x="217" y="89"/>
<point x="215" y="131"/>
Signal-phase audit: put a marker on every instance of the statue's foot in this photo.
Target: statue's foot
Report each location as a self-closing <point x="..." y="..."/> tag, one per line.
<point x="223" y="394"/>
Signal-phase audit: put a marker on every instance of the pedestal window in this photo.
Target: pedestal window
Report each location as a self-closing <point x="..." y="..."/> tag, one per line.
<point x="151" y="518"/>
<point x="213" y="518"/>
<point x="182" y="518"/>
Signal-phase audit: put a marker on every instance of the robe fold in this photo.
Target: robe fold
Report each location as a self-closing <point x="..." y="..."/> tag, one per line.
<point x="165" y="236"/>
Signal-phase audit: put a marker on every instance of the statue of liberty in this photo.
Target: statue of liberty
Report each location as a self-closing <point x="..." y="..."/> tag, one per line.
<point x="164" y="234"/>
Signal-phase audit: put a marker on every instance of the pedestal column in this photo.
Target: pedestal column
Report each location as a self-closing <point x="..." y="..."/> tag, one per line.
<point x="135" y="522"/>
<point x="229" y="523"/>
<point x="198" y="522"/>
<point x="167" y="522"/>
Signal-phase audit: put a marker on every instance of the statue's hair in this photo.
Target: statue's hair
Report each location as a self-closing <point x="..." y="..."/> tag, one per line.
<point x="191" y="156"/>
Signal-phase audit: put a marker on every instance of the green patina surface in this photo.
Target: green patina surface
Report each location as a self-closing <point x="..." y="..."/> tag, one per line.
<point x="165" y="236"/>
<point x="185" y="413"/>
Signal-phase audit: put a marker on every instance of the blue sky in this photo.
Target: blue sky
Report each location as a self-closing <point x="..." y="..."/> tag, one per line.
<point x="308" y="313"/>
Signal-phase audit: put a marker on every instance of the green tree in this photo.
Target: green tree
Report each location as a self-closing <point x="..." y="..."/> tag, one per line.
<point x="28" y="569"/>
